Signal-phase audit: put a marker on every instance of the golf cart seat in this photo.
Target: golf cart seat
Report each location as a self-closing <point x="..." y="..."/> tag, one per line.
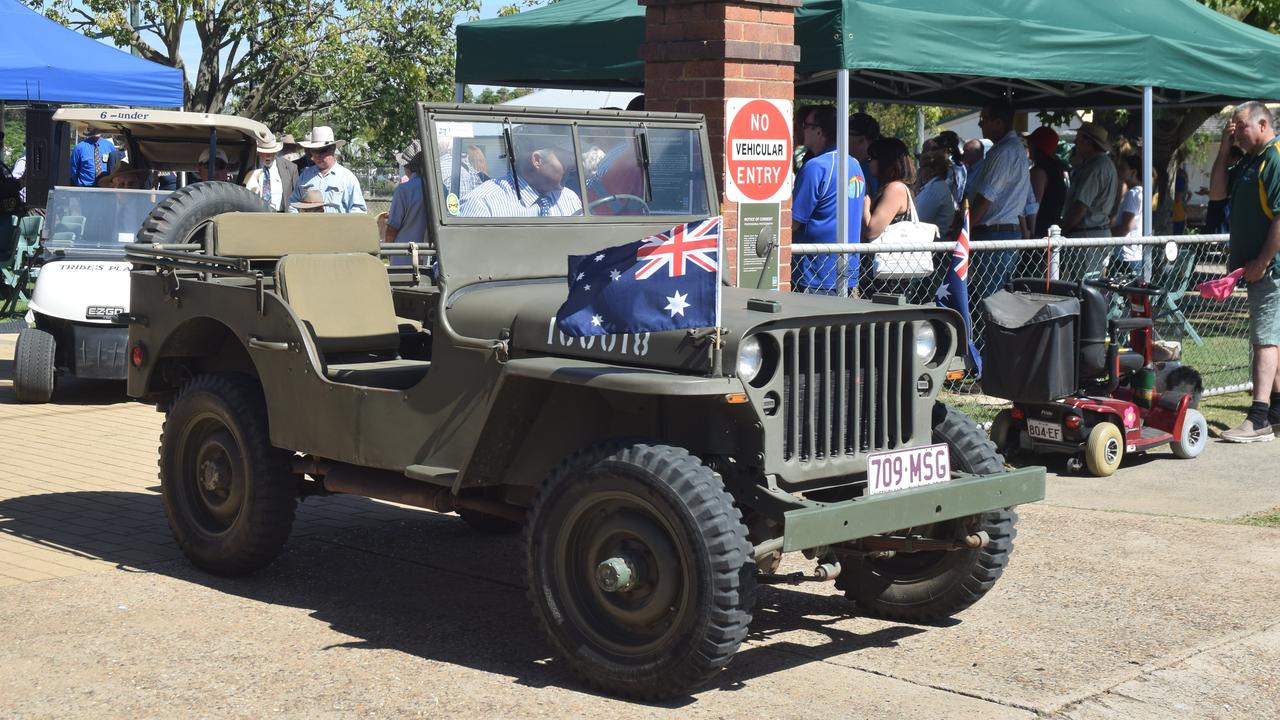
<point x="1094" y="325"/>
<point x="327" y="269"/>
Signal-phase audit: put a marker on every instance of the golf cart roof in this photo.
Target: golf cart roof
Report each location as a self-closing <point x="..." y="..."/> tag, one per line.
<point x="171" y="140"/>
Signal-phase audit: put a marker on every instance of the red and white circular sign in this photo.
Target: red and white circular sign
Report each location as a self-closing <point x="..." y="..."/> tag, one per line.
<point x="757" y="152"/>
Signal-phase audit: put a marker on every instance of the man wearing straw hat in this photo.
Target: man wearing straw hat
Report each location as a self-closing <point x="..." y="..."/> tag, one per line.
<point x="1091" y="200"/>
<point x="338" y="185"/>
<point x="274" y="178"/>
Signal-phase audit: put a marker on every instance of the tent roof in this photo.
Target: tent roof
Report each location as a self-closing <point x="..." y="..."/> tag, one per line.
<point x="1040" y="53"/>
<point x="43" y="61"/>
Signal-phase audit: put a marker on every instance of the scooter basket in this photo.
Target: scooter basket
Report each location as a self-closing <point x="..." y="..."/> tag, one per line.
<point x="1030" y="352"/>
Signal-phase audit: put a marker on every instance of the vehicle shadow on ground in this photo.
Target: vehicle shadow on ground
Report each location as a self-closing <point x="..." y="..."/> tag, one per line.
<point x="423" y="584"/>
<point x="67" y="390"/>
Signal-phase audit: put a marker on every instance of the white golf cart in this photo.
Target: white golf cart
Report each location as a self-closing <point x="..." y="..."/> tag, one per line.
<point x="84" y="280"/>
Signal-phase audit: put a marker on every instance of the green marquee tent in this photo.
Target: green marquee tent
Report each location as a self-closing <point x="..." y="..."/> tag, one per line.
<point x="1039" y="53"/>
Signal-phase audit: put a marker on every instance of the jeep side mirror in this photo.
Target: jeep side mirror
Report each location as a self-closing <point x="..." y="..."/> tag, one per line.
<point x="764" y="241"/>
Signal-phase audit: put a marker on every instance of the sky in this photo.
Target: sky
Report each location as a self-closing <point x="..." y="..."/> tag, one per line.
<point x="189" y="47"/>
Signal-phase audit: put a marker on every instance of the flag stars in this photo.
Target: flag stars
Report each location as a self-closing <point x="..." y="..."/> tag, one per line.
<point x="600" y="257"/>
<point x="597" y="321"/>
<point x="614" y="274"/>
<point x="580" y="276"/>
<point x="676" y="305"/>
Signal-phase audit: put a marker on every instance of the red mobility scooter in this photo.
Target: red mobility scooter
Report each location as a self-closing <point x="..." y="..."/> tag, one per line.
<point x="1084" y="384"/>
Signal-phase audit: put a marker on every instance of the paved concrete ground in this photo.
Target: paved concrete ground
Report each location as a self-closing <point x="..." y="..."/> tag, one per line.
<point x="1113" y="606"/>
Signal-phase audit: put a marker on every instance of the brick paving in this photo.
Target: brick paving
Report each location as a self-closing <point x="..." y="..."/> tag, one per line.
<point x="78" y="486"/>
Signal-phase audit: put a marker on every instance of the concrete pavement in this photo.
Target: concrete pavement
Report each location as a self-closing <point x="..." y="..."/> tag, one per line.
<point x="1112" y="606"/>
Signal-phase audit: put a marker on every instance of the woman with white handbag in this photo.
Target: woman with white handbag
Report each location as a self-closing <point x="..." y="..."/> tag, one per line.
<point x="894" y="220"/>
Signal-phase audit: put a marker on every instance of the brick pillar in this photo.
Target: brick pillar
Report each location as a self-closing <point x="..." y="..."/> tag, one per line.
<point x="699" y="52"/>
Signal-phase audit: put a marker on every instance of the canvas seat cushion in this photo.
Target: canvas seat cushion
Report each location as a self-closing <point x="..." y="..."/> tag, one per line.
<point x="345" y="298"/>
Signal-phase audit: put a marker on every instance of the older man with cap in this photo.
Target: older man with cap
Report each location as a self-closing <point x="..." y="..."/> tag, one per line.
<point x="220" y="165"/>
<point x="339" y="185"/>
<point x="1091" y="200"/>
<point x="274" y="177"/>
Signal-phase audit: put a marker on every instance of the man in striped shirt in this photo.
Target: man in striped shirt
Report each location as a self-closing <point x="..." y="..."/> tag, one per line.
<point x="535" y="189"/>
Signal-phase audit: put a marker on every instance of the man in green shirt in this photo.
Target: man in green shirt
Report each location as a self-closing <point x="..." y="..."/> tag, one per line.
<point x="1090" y="206"/>
<point x="1254" y="188"/>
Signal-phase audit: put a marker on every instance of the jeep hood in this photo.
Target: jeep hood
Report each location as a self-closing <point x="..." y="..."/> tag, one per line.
<point x="526" y="313"/>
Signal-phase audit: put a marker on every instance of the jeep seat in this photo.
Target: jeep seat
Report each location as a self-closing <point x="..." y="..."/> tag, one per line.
<point x="345" y="301"/>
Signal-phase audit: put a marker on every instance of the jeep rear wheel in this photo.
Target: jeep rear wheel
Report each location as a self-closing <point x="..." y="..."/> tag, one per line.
<point x="639" y="569"/>
<point x="228" y="494"/>
<point x="933" y="585"/>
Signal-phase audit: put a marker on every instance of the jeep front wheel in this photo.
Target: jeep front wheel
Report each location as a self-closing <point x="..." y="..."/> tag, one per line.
<point x="639" y="569"/>
<point x="229" y="495"/>
<point x="933" y="585"/>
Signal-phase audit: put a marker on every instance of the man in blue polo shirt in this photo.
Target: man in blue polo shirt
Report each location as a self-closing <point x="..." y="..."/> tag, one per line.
<point x="813" y="207"/>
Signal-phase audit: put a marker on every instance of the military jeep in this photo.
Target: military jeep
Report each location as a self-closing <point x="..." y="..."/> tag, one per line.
<point x="658" y="477"/>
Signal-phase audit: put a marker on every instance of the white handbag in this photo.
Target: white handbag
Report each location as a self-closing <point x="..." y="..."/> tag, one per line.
<point x="897" y="265"/>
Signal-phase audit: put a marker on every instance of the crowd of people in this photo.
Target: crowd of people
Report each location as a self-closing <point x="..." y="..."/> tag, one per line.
<point x="1015" y="186"/>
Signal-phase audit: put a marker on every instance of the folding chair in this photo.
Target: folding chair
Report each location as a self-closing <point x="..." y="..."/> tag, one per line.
<point x="1176" y="280"/>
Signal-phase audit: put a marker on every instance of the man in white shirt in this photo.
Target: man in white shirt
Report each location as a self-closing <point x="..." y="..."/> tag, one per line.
<point x="274" y="177"/>
<point x="339" y="185"/>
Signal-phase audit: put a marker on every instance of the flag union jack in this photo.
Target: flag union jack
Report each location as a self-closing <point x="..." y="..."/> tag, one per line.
<point x="673" y="249"/>
<point x="961" y="252"/>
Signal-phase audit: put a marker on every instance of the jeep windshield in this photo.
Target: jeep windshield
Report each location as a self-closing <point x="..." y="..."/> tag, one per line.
<point x="95" y="221"/>
<point x="511" y="168"/>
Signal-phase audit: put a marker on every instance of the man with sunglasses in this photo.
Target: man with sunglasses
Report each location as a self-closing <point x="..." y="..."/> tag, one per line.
<point x="818" y="191"/>
<point x="338" y="185"/>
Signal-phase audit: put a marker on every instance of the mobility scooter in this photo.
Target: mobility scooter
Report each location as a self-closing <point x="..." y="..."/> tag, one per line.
<point x="1082" y="383"/>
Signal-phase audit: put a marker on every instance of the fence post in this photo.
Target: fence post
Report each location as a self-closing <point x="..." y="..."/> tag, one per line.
<point x="1055" y="251"/>
<point x="842" y="273"/>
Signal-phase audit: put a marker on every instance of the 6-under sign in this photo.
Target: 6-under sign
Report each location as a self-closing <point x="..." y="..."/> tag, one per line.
<point x="757" y="155"/>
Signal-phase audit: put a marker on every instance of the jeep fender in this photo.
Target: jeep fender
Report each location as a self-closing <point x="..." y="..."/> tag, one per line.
<point x="553" y="407"/>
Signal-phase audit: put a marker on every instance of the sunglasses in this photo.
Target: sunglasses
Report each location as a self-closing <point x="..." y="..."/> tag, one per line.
<point x="321" y="151"/>
<point x="810" y="125"/>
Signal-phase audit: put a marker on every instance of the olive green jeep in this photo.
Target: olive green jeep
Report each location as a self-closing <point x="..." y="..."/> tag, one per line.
<point x="658" y="477"/>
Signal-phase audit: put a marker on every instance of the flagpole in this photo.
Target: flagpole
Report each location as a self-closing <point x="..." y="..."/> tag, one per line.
<point x="718" y="358"/>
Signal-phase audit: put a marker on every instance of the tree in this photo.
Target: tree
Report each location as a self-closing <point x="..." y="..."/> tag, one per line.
<point x="358" y="64"/>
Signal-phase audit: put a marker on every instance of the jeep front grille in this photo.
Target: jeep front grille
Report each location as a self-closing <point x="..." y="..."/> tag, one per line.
<point x="848" y="389"/>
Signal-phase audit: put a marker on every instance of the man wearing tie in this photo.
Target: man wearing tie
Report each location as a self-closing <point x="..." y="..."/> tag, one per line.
<point x="274" y="177"/>
<point x="90" y="158"/>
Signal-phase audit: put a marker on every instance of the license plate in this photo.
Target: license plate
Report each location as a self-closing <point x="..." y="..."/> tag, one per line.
<point x="904" y="469"/>
<point x="1040" y="430"/>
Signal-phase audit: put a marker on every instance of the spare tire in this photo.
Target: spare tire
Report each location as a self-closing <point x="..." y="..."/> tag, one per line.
<point x="181" y="217"/>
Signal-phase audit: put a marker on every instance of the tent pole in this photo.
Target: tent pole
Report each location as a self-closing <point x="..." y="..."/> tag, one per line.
<point x="842" y="183"/>
<point x="459" y="91"/>
<point x="1148" y="150"/>
<point x="919" y="129"/>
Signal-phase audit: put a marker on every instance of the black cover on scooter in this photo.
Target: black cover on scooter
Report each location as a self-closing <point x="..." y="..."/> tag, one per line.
<point x="1030" y="352"/>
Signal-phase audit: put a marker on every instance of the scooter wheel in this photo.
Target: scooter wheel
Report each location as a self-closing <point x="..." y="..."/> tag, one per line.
<point x="1104" y="449"/>
<point x="1195" y="435"/>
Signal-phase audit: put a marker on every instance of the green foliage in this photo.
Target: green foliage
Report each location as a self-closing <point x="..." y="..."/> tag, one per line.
<point x="495" y="96"/>
<point x="15" y="138"/>
<point x="357" y="65"/>
<point x="900" y="120"/>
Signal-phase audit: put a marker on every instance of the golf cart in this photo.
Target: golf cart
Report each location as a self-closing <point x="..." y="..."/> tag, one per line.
<point x="84" y="278"/>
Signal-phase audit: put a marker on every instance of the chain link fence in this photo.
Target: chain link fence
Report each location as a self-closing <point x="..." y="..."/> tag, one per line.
<point x="1211" y="336"/>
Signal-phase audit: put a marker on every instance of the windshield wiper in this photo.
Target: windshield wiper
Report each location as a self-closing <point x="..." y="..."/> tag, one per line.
<point x="643" y="137"/>
<point x="511" y="155"/>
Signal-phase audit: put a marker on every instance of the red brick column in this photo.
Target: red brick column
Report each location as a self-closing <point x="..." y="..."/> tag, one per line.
<point x="699" y="52"/>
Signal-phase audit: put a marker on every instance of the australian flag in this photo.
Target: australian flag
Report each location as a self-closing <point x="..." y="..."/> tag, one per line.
<point x="954" y="291"/>
<point x="667" y="281"/>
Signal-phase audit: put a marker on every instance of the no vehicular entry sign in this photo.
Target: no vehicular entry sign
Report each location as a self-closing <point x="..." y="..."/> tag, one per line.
<point x="757" y="154"/>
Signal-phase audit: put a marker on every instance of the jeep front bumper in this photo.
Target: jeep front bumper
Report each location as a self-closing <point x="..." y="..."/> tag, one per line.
<point x="964" y="495"/>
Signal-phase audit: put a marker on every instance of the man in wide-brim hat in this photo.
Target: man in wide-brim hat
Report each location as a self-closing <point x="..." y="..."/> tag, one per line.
<point x="274" y="177"/>
<point x="1090" y="207"/>
<point x="339" y="186"/>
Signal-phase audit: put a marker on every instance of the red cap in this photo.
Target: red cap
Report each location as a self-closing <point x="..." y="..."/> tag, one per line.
<point x="1043" y="139"/>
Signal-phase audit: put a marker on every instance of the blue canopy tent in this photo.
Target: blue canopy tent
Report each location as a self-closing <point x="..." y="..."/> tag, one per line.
<point x="42" y="61"/>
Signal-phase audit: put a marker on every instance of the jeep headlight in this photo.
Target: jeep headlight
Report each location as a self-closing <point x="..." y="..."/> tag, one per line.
<point x="750" y="359"/>
<point x="926" y="342"/>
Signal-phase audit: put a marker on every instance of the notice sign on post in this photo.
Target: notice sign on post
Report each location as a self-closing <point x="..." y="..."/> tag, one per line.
<point x="758" y="226"/>
<point x="757" y="154"/>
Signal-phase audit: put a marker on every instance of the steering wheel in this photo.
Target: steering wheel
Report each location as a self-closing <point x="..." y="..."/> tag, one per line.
<point x="1126" y="288"/>
<point x="620" y="196"/>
